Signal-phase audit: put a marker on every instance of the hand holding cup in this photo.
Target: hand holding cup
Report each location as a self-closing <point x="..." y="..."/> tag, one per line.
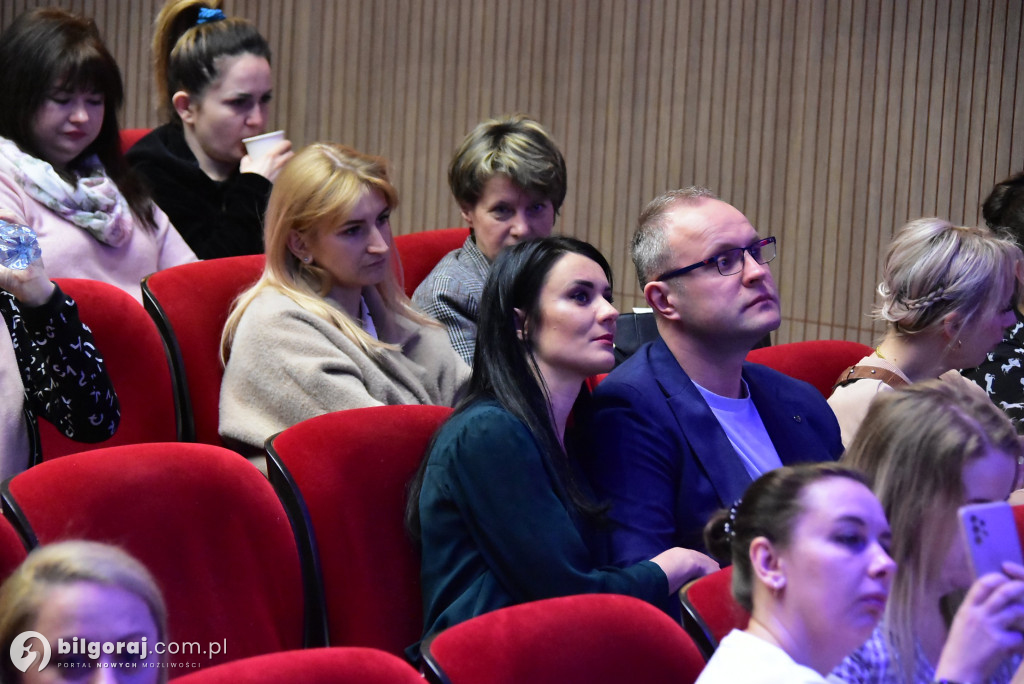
<point x="266" y="154"/>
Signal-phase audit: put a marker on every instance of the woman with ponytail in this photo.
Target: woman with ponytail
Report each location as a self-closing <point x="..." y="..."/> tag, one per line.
<point x="809" y="547"/>
<point x="214" y="84"/>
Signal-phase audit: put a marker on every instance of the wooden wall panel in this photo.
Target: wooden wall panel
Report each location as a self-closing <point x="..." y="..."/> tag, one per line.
<point x="830" y="123"/>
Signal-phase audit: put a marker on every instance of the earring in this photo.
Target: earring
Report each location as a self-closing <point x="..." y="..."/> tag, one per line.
<point x="959" y="343"/>
<point x="306" y="259"/>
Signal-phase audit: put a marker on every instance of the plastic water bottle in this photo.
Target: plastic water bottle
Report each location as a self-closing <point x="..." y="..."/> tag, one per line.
<point x="18" y="246"/>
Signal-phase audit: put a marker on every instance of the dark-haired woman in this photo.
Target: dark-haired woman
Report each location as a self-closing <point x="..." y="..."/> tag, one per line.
<point x="61" y="168"/>
<point x="809" y="546"/>
<point x="214" y="81"/>
<point x="502" y="515"/>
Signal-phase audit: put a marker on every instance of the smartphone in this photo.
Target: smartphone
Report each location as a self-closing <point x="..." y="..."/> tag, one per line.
<point x="990" y="533"/>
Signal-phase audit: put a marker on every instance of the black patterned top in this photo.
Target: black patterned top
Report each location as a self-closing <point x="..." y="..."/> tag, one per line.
<point x="63" y="373"/>
<point x="1001" y="374"/>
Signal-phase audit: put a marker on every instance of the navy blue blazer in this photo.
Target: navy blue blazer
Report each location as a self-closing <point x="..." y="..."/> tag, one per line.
<point x="660" y="457"/>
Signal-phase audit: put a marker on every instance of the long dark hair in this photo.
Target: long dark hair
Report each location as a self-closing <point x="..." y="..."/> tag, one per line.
<point x="46" y="47"/>
<point x="504" y="367"/>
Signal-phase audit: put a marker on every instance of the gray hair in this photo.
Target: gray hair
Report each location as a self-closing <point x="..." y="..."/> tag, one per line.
<point x="649" y="248"/>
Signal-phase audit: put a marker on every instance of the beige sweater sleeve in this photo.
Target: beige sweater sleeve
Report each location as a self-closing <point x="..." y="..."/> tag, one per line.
<point x="287" y="365"/>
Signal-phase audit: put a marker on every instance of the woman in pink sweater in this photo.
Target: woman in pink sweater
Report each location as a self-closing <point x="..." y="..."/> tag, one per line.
<point x="61" y="168"/>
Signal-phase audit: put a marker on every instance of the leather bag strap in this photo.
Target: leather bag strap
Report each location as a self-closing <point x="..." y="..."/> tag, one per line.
<point x="854" y="373"/>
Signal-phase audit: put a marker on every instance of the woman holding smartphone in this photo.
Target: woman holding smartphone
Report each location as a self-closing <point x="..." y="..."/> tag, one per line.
<point x="929" y="449"/>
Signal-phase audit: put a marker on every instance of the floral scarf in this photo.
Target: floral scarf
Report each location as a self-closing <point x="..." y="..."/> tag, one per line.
<point x="94" y="203"/>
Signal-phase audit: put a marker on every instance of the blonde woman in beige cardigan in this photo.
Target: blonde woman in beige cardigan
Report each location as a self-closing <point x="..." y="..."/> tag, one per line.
<point x="327" y="326"/>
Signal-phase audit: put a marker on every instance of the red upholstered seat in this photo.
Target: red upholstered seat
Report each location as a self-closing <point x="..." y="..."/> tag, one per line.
<point x="421" y="251"/>
<point x="592" y="638"/>
<point x="313" y="666"/>
<point x="190" y="304"/>
<point x="818" y="362"/>
<point x="594" y="380"/>
<point x="709" y="610"/>
<point x="350" y="470"/>
<point x="136" y="363"/>
<point x="204" y="521"/>
<point x="12" y="550"/>
<point x="130" y="136"/>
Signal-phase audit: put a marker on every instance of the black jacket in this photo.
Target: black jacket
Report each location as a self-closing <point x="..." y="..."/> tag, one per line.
<point x="216" y="218"/>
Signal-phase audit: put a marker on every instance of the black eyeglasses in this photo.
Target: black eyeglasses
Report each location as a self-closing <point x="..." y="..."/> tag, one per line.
<point x="730" y="262"/>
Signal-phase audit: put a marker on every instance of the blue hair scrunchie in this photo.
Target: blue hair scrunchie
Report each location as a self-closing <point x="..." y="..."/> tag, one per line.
<point x="209" y="15"/>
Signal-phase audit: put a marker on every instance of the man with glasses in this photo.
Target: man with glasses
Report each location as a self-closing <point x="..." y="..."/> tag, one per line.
<point x="684" y="425"/>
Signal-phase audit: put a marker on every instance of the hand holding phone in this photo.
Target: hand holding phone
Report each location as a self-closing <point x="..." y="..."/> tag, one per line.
<point x="990" y="535"/>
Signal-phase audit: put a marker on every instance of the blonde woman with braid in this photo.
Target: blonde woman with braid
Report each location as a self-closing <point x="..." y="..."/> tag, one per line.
<point x="947" y="296"/>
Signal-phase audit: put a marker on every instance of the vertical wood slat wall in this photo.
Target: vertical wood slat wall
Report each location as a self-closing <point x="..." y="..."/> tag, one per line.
<point x="829" y="122"/>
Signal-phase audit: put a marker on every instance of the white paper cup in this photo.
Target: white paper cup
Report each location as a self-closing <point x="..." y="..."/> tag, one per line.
<point x="259" y="145"/>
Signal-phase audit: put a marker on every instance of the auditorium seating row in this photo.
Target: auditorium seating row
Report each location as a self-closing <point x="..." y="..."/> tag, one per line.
<point x="165" y="364"/>
<point x="317" y="556"/>
<point x="164" y="360"/>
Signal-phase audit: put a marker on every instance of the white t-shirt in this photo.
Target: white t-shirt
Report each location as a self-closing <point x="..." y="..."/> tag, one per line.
<point x="745" y="430"/>
<point x="742" y="658"/>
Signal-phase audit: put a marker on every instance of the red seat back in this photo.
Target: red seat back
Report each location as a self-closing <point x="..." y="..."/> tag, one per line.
<point x="421" y="251"/>
<point x="593" y="638"/>
<point x="709" y="610"/>
<point x="350" y="470"/>
<point x="130" y="136"/>
<point x="313" y="666"/>
<point x="136" y="363"/>
<point x="818" y="362"/>
<point x="204" y="521"/>
<point x="190" y="304"/>
<point x="12" y="549"/>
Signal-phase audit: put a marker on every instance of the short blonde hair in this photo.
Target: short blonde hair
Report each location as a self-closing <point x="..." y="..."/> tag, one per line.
<point x="23" y="594"/>
<point x="514" y="146"/>
<point x="315" y="191"/>
<point x="934" y="268"/>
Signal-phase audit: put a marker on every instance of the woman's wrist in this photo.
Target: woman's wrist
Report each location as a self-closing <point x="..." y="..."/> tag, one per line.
<point x="35" y="293"/>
